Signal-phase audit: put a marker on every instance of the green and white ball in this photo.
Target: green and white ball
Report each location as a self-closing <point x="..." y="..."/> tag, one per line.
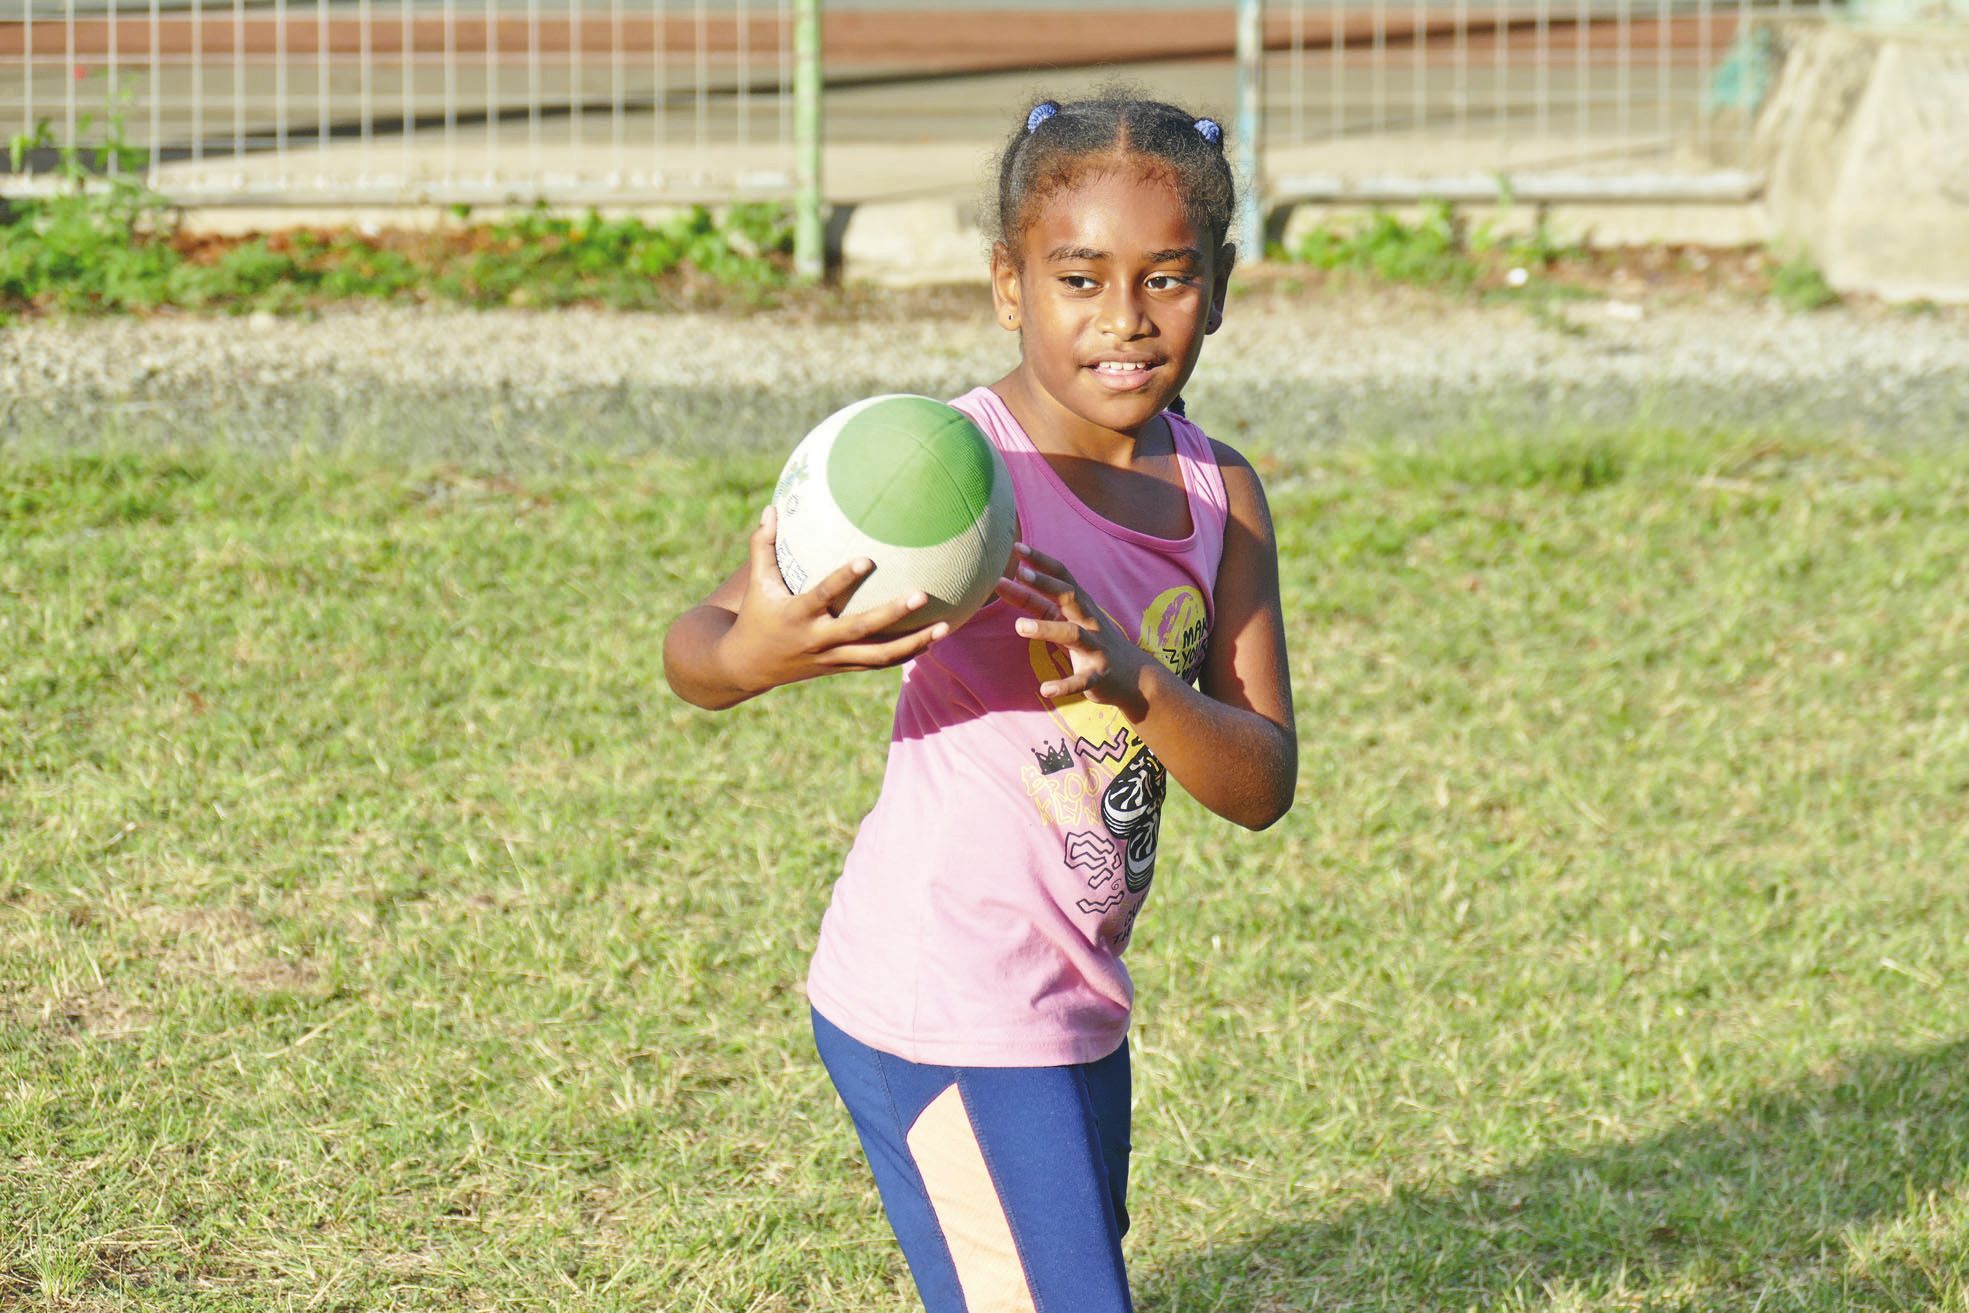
<point x="909" y="483"/>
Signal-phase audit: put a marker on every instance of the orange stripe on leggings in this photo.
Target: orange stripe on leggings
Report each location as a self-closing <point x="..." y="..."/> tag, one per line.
<point x="967" y="1208"/>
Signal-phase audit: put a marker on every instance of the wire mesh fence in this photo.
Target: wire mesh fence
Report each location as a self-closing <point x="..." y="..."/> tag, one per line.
<point x="1596" y="98"/>
<point x="423" y="101"/>
<point x="587" y="101"/>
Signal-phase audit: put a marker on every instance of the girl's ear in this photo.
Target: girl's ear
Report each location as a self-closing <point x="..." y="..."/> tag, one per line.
<point x="1004" y="288"/>
<point x="1220" y="286"/>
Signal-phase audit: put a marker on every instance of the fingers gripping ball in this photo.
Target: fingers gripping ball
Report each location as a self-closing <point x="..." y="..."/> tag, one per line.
<point x="911" y="484"/>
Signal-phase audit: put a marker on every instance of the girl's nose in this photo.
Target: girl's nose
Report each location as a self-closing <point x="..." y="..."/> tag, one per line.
<point x="1123" y="314"/>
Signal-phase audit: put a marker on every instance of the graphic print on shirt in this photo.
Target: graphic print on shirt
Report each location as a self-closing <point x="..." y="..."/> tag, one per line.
<point x="1094" y="851"/>
<point x="1067" y="798"/>
<point x="1120" y="784"/>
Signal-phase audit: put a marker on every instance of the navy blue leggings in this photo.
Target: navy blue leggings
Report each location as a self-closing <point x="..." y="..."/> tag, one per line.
<point x="1007" y="1186"/>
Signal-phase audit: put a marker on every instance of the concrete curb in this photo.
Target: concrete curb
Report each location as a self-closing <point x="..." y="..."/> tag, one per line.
<point x="924" y="242"/>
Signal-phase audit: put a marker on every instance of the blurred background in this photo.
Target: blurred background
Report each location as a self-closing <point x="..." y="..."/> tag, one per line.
<point x="284" y="103"/>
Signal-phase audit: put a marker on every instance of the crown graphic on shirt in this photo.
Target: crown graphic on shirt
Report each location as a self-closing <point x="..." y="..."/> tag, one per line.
<point x="1053" y="759"/>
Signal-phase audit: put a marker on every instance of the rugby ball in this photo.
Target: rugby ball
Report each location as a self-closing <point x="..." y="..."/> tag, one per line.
<point x="912" y="484"/>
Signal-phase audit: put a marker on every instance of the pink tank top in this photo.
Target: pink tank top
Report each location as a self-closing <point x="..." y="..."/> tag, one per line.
<point x="982" y="912"/>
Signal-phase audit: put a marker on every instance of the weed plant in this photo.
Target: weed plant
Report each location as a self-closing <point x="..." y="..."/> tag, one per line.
<point x="1438" y="251"/>
<point x="377" y="932"/>
<point x="1797" y="285"/>
<point x="105" y="243"/>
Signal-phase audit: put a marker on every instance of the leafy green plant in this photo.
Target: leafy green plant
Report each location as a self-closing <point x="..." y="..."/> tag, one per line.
<point x="1541" y="248"/>
<point x="104" y="242"/>
<point x="1430" y="252"/>
<point x="1798" y="285"/>
<point x="82" y="245"/>
<point x="1438" y="249"/>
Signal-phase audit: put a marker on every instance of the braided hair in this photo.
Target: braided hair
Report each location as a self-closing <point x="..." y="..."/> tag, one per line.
<point x="1056" y="143"/>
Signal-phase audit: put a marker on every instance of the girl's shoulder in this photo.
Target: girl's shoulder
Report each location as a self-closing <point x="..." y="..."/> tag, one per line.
<point x="1227" y="456"/>
<point x="1234" y="478"/>
<point x="1222" y="453"/>
<point x="1244" y="491"/>
<point x="1240" y="476"/>
<point x="982" y="405"/>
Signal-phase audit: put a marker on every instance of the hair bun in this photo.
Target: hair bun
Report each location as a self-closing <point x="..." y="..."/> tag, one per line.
<point x="1044" y="110"/>
<point x="1210" y="132"/>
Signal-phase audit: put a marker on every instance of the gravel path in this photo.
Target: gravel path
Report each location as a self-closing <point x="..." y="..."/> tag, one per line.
<point x="1285" y="371"/>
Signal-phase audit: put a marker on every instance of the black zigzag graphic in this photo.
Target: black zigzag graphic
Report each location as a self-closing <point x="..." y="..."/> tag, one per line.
<point x="1089" y="851"/>
<point x="1113" y="750"/>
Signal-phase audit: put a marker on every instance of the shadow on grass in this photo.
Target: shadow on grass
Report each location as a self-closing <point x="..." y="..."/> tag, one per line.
<point x="1763" y="1207"/>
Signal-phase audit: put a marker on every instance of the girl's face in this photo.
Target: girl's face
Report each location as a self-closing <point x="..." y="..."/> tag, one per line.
<point x="1112" y="295"/>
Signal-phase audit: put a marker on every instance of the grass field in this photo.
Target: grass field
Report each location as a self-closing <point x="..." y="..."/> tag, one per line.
<point x="376" y="931"/>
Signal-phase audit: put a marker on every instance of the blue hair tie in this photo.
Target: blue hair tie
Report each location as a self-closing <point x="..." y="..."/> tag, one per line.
<point x="1210" y="131"/>
<point x="1044" y="110"/>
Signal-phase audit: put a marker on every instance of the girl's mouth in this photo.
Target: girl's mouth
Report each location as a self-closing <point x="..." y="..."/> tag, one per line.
<point x="1124" y="375"/>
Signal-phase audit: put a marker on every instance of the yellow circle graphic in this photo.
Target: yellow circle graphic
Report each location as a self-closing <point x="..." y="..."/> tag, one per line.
<point x="1176" y="629"/>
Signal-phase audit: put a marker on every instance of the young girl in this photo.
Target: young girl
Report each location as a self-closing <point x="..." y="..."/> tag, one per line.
<point x="969" y="999"/>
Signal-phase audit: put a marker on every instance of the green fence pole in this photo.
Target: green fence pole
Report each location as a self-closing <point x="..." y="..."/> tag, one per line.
<point x="1250" y="111"/>
<point x="809" y="237"/>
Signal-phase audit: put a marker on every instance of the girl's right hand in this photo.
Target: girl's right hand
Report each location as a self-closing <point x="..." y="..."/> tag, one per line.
<point x="780" y="637"/>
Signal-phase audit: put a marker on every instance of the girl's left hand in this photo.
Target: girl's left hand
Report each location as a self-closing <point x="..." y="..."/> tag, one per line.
<point x="1107" y="668"/>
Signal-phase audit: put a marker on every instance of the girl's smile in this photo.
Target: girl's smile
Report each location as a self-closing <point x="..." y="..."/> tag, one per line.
<point x="1123" y="374"/>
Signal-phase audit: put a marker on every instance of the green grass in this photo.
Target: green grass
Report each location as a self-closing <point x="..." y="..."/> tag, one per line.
<point x="377" y="932"/>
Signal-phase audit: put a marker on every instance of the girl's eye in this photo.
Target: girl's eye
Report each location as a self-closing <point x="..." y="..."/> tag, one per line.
<point x="1078" y="282"/>
<point x="1168" y="282"/>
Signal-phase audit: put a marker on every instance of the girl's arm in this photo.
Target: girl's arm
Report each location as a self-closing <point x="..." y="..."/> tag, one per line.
<point x="1230" y="742"/>
<point x="752" y="634"/>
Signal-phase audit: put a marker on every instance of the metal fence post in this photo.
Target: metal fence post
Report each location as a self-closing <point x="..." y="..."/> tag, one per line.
<point x="1250" y="84"/>
<point x="809" y="238"/>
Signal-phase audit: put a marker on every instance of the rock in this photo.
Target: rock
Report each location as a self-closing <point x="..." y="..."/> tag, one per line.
<point x="1866" y="141"/>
